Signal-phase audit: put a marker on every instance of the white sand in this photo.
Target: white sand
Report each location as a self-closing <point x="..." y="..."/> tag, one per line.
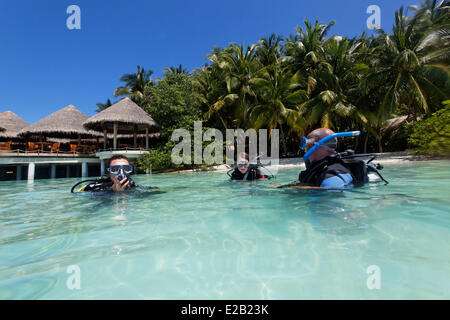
<point x="384" y="158"/>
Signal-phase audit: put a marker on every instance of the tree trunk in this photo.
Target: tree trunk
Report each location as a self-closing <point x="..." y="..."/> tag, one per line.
<point x="356" y="144"/>
<point x="283" y="140"/>
<point x="221" y="119"/>
<point x="380" y="146"/>
<point x="366" y="140"/>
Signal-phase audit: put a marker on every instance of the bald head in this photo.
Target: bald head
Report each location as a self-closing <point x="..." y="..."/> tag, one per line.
<point x="318" y="135"/>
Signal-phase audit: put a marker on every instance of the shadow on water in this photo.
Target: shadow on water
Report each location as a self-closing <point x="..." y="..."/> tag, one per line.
<point x="344" y="212"/>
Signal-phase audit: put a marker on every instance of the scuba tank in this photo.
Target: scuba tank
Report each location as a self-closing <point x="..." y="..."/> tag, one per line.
<point x="342" y="162"/>
<point x="252" y="171"/>
<point x="354" y="163"/>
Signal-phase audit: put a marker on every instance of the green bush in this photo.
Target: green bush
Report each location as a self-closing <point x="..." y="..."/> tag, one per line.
<point x="160" y="157"/>
<point x="156" y="159"/>
<point x="432" y="136"/>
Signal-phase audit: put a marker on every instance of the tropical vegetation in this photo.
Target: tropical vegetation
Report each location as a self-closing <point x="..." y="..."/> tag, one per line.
<point x="312" y="79"/>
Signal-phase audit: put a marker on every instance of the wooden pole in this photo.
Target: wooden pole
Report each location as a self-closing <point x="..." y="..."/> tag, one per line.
<point x="146" y="138"/>
<point x="105" y="136"/>
<point x="135" y="137"/>
<point x="115" y="136"/>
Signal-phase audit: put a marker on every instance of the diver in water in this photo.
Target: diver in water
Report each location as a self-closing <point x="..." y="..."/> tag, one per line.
<point x="328" y="169"/>
<point x="118" y="178"/>
<point x="245" y="171"/>
<point x="323" y="168"/>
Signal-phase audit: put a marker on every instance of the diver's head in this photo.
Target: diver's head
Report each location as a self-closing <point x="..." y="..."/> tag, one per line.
<point x="243" y="162"/>
<point x="119" y="166"/>
<point x="326" y="149"/>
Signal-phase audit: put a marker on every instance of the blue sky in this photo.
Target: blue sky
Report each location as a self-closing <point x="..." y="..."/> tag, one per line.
<point x="44" y="66"/>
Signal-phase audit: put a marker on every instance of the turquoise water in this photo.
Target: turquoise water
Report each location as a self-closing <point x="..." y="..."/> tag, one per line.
<point x="208" y="238"/>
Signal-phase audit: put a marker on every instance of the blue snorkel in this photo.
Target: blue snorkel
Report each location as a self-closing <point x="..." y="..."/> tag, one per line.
<point x="321" y="142"/>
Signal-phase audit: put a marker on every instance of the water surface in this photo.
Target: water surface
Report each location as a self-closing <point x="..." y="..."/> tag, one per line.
<point x="205" y="237"/>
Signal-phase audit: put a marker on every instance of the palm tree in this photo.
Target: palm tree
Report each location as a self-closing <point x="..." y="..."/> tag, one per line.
<point x="411" y="65"/>
<point x="212" y="92"/>
<point x="408" y="68"/>
<point x="337" y="76"/>
<point x="304" y="49"/>
<point x="269" y="51"/>
<point x="103" y="106"/>
<point x="176" y="70"/>
<point x="137" y="86"/>
<point x="238" y="66"/>
<point x="280" y="93"/>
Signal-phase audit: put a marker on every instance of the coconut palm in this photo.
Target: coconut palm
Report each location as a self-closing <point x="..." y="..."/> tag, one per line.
<point x="304" y="49"/>
<point x="176" y="70"/>
<point x="280" y="93"/>
<point x="269" y="50"/>
<point x="411" y="65"/>
<point x="238" y="66"/>
<point x="103" y="106"/>
<point x="137" y="86"/>
<point x="212" y="92"/>
<point x="338" y="75"/>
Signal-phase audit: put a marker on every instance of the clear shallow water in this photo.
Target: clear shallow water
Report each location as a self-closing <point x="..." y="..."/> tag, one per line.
<point x="208" y="238"/>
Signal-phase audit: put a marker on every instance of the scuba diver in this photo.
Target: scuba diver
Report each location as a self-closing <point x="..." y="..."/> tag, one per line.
<point x="117" y="180"/>
<point x="246" y="171"/>
<point x="326" y="168"/>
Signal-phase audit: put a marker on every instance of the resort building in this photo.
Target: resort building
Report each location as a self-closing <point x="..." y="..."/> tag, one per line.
<point x="68" y="143"/>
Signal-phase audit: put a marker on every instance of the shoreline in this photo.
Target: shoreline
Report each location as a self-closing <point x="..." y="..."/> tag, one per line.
<point x="383" y="158"/>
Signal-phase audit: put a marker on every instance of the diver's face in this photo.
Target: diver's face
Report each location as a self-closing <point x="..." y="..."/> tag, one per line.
<point x="322" y="152"/>
<point x="118" y="162"/>
<point x="243" y="166"/>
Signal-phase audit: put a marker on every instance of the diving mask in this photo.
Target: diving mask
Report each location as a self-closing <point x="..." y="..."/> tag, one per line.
<point x="121" y="171"/>
<point x="330" y="144"/>
<point x="242" y="163"/>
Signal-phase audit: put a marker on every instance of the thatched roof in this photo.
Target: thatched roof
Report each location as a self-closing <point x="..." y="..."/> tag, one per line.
<point x="64" y="123"/>
<point x="12" y="124"/>
<point x="128" y="116"/>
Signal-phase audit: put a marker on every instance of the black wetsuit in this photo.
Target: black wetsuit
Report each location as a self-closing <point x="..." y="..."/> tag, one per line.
<point x="333" y="172"/>
<point x="105" y="185"/>
<point x="251" y="174"/>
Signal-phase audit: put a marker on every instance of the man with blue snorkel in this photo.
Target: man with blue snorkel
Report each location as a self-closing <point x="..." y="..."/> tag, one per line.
<point x="324" y="167"/>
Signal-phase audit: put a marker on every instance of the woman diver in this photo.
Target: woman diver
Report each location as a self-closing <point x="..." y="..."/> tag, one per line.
<point x="118" y="178"/>
<point x="245" y="171"/>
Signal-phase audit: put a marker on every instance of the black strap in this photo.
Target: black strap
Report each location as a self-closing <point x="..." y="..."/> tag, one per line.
<point x="84" y="181"/>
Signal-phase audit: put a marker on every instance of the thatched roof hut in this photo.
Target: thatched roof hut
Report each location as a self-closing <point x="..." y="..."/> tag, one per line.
<point x="64" y="123"/>
<point x="128" y="116"/>
<point x="12" y="124"/>
<point x="123" y="117"/>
